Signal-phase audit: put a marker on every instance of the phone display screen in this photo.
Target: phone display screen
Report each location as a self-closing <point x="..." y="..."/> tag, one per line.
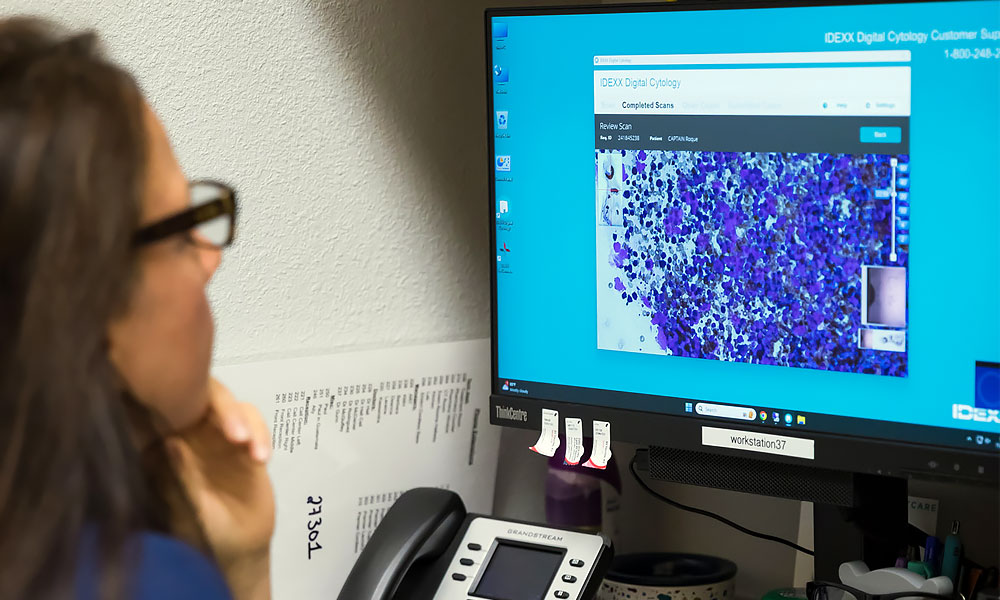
<point x="519" y="572"/>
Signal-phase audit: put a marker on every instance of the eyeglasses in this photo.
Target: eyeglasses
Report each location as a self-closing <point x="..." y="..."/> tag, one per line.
<point x="211" y="220"/>
<point x="824" y="590"/>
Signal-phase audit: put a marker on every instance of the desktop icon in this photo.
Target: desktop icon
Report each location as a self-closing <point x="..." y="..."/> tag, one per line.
<point x="688" y="407"/>
<point x="503" y="162"/>
<point x="506" y="386"/>
<point x="503" y="207"/>
<point x="505" y="248"/>
<point x="800" y="420"/>
<point x="501" y="119"/>
<point x="499" y="30"/>
<point x="500" y="74"/>
<point x="788" y="418"/>
<point x="776" y="417"/>
<point x="763" y="415"/>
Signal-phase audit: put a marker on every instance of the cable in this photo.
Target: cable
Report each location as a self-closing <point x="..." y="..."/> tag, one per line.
<point x="720" y="518"/>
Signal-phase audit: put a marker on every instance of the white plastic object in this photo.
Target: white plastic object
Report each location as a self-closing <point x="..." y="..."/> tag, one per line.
<point x="891" y="580"/>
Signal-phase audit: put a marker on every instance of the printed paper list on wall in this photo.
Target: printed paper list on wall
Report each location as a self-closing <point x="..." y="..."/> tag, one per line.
<point x="351" y="432"/>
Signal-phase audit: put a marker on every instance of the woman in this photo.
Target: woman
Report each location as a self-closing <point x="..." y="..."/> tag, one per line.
<point x="125" y="471"/>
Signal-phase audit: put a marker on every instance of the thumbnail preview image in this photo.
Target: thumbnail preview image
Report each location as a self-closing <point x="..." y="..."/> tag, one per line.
<point x="796" y="260"/>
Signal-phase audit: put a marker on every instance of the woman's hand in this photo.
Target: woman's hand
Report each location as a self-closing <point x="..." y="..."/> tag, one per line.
<point x="221" y="463"/>
<point x="239" y="422"/>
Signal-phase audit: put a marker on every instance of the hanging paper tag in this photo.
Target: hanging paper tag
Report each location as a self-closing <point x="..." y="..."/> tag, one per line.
<point x="602" y="446"/>
<point x="574" y="441"/>
<point x="548" y="441"/>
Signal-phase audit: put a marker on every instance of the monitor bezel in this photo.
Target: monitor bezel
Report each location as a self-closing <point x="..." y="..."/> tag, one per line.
<point x="837" y="451"/>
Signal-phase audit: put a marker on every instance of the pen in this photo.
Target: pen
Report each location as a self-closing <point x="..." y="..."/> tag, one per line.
<point x="952" y="558"/>
<point x="932" y="553"/>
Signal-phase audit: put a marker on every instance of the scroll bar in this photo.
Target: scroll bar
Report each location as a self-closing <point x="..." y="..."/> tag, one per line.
<point x="892" y="215"/>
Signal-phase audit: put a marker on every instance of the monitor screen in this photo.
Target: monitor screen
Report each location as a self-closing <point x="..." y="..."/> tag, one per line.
<point x="780" y="217"/>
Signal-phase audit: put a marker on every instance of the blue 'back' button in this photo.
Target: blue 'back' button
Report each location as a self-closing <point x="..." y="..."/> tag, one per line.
<point x="881" y="135"/>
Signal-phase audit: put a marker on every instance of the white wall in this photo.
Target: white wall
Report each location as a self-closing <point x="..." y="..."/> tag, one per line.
<point x="355" y="133"/>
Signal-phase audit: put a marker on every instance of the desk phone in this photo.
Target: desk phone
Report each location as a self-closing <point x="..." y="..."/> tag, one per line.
<point x="428" y="548"/>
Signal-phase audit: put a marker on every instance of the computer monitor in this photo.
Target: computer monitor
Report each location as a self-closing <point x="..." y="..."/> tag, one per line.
<point x="752" y="230"/>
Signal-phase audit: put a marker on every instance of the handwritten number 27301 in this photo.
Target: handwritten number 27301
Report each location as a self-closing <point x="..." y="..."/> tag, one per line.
<point x="316" y="507"/>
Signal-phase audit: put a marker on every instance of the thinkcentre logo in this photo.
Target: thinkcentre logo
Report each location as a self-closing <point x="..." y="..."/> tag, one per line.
<point x="964" y="412"/>
<point x="512" y="414"/>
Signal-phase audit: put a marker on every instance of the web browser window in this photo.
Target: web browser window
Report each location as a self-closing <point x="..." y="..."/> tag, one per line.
<point x="756" y="215"/>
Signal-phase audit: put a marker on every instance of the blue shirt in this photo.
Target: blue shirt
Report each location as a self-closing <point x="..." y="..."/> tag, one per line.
<point x="165" y="569"/>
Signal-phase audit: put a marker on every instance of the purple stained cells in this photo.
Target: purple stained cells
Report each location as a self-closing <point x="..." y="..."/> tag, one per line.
<point x="756" y="257"/>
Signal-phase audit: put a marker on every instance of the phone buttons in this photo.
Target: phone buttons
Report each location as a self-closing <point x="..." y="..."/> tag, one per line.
<point x="474" y="547"/>
<point x="465" y="562"/>
<point x="458" y="577"/>
<point x="568" y="579"/>
<point x="562" y="594"/>
<point x="575" y="562"/>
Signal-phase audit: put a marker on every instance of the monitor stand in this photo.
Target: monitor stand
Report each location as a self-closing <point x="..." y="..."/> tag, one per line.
<point x="856" y="516"/>
<point x="873" y="529"/>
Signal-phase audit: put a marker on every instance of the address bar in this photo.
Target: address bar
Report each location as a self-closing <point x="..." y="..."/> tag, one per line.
<point x="726" y="412"/>
<point x="757" y="58"/>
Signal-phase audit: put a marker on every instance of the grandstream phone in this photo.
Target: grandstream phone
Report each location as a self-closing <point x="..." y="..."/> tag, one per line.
<point x="428" y="548"/>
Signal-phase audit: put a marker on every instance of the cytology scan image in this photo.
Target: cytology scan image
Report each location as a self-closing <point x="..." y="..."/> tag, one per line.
<point x="796" y="260"/>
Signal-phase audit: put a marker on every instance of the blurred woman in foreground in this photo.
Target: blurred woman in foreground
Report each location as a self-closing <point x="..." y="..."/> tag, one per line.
<point x="125" y="470"/>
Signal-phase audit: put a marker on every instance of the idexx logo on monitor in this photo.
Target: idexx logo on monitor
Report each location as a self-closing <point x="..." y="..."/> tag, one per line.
<point x="512" y="414"/>
<point x="964" y="412"/>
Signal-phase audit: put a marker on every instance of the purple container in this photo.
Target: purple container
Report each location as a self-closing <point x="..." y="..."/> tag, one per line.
<point x="579" y="497"/>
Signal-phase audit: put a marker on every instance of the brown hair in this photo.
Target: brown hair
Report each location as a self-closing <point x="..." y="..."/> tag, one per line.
<point x="72" y="172"/>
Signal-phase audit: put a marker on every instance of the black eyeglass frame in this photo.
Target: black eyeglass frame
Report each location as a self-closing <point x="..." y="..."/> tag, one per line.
<point x="193" y="217"/>
<point x="813" y="586"/>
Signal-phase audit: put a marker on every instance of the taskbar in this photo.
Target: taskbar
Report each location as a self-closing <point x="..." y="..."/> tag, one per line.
<point x="780" y="419"/>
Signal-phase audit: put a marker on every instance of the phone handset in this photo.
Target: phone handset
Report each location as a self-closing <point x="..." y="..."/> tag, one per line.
<point x="419" y="527"/>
